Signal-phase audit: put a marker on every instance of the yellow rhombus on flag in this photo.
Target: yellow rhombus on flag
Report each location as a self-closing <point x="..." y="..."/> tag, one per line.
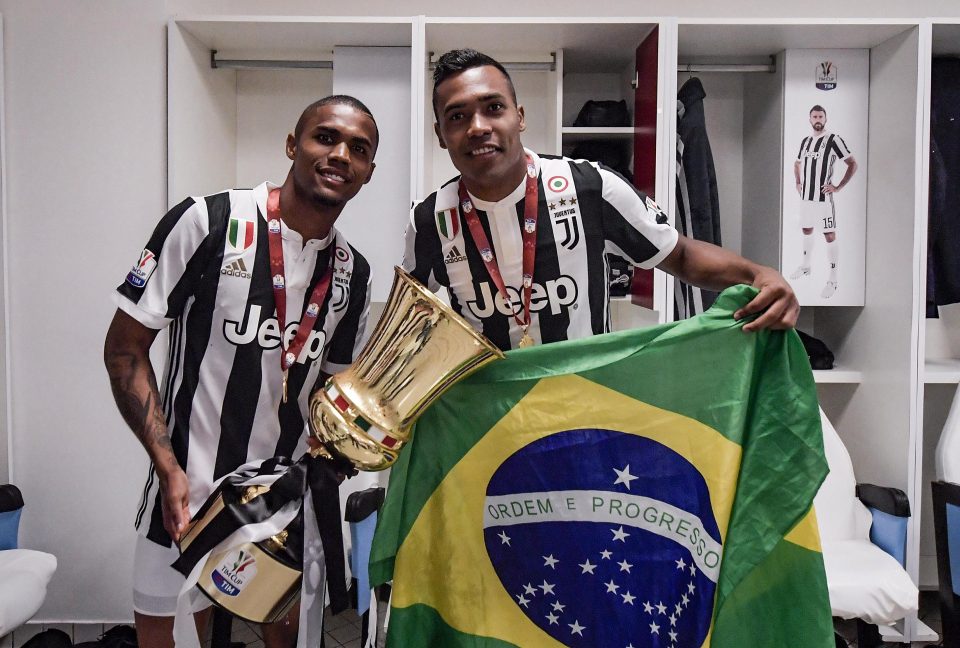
<point x="637" y="489"/>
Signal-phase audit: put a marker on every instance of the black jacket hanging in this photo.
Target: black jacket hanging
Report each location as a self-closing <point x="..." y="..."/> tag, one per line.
<point x="698" y="204"/>
<point x="943" y="237"/>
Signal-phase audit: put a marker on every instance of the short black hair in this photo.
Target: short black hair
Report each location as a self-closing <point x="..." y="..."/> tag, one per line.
<point x="817" y="108"/>
<point x="460" y="60"/>
<point x="343" y="100"/>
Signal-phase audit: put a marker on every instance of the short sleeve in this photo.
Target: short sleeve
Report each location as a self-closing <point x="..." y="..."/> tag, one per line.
<point x="156" y="289"/>
<point x="634" y="226"/>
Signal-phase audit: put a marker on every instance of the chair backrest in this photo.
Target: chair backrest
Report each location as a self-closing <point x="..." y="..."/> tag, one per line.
<point x="946" y="524"/>
<point x="840" y="515"/>
<point x="11" y="506"/>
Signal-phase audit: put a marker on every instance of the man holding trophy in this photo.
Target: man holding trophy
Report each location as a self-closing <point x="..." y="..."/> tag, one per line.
<point x="539" y="226"/>
<point x="263" y="299"/>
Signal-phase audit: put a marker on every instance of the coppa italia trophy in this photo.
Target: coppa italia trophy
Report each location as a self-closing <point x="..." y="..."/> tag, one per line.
<point x="271" y="522"/>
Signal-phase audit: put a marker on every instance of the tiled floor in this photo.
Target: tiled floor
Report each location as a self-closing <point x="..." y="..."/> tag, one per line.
<point x="340" y="631"/>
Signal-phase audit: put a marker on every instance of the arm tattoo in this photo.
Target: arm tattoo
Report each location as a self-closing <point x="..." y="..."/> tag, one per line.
<point x="143" y="415"/>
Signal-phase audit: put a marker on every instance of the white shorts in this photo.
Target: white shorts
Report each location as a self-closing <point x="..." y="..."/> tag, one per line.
<point x="818" y="214"/>
<point x="156" y="584"/>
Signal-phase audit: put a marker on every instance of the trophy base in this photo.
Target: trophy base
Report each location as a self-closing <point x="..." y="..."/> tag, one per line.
<point x="247" y="581"/>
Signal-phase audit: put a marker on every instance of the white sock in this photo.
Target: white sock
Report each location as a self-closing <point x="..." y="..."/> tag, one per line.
<point x="807" y="250"/>
<point x="833" y="255"/>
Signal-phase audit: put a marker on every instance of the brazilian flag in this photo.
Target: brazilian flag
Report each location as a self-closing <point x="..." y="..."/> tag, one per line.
<point x="649" y="488"/>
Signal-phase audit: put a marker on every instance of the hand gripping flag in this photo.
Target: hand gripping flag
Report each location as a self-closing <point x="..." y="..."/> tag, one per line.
<point x="650" y="488"/>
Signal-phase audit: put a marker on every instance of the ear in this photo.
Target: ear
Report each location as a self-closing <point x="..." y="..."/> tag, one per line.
<point x="370" y="174"/>
<point x="436" y="129"/>
<point x="523" y="119"/>
<point x="291" y="146"/>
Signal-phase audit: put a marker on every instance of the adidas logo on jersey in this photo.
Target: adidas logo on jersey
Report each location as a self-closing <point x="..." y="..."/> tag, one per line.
<point x="235" y="269"/>
<point x="454" y="256"/>
<point x="555" y="294"/>
<point x="267" y="334"/>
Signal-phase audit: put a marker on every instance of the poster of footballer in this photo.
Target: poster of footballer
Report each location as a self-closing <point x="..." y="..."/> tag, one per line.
<point x="823" y="233"/>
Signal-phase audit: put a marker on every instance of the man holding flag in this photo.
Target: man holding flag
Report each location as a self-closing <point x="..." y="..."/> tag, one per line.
<point x="645" y="488"/>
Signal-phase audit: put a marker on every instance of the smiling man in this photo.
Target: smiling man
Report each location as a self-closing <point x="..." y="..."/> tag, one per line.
<point x="520" y="239"/>
<point x="240" y="368"/>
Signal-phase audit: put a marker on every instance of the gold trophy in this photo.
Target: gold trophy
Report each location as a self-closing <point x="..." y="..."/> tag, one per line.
<point x="419" y="349"/>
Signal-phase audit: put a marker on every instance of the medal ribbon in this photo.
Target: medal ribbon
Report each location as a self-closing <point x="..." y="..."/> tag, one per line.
<point x="290" y="354"/>
<point x="529" y="242"/>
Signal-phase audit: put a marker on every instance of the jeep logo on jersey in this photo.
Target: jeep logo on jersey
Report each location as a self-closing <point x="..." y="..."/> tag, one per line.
<point x="555" y="294"/>
<point x="267" y="334"/>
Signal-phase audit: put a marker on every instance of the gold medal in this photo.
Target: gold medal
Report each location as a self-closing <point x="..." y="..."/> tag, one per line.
<point x="526" y="341"/>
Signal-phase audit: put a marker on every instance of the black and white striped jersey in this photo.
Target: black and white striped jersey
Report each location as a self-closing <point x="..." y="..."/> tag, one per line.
<point x="205" y="276"/>
<point x="817" y="156"/>
<point x="585" y="211"/>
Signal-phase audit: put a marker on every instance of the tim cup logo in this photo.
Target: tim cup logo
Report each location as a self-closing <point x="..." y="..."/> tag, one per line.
<point x="234" y="572"/>
<point x="826" y="76"/>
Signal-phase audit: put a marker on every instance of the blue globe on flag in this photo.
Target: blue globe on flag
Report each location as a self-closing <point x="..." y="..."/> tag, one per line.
<point x="604" y="538"/>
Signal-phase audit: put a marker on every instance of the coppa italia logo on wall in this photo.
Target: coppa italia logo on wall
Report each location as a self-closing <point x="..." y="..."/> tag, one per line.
<point x="826" y="76"/>
<point x="234" y="572"/>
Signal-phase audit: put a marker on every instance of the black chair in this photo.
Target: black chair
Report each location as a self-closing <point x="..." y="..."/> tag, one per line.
<point x="946" y="525"/>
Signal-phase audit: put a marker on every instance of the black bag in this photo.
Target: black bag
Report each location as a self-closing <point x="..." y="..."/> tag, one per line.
<point x="820" y="356"/>
<point x="610" y="153"/>
<point x="595" y="114"/>
<point x="121" y="636"/>
<point x="51" y="638"/>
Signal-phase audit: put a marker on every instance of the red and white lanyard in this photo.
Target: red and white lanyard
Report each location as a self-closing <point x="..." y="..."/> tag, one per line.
<point x="309" y="318"/>
<point x="529" y="247"/>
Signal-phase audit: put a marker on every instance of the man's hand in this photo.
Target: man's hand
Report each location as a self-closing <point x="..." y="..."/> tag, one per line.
<point x="776" y="298"/>
<point x="175" y="501"/>
<point x="799" y="188"/>
<point x="830" y="188"/>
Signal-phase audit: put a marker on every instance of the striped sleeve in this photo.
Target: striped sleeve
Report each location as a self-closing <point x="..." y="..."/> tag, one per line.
<point x="841" y="148"/>
<point x="154" y="291"/>
<point x="803" y="143"/>
<point x="634" y="227"/>
<point x="421" y="246"/>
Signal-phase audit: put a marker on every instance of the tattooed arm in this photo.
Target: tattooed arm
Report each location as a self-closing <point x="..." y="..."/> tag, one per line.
<point x="126" y="354"/>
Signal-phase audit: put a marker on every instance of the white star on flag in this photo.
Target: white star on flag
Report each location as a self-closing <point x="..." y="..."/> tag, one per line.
<point x="680" y="563"/>
<point x="661" y="608"/>
<point x="620" y="534"/>
<point x="587" y="567"/>
<point x="606" y="554"/>
<point x="552" y="618"/>
<point x="628" y="598"/>
<point x="576" y="628"/>
<point x="673" y="619"/>
<point x="612" y="587"/>
<point x="654" y="628"/>
<point x="691" y="588"/>
<point x="504" y="538"/>
<point x="550" y="561"/>
<point x="693" y="570"/>
<point x="676" y="609"/>
<point x="625" y="566"/>
<point x="558" y="606"/>
<point x="530" y="589"/>
<point x="673" y="635"/>
<point x="522" y="601"/>
<point x="685" y="600"/>
<point x="547" y="587"/>
<point x="624" y="477"/>
<point x="648" y="608"/>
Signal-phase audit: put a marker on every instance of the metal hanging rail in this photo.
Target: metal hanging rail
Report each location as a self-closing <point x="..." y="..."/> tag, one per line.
<point x="266" y="64"/>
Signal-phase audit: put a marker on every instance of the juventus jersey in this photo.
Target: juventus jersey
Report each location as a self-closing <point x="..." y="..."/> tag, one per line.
<point x="585" y="211"/>
<point x="205" y="276"/>
<point x="817" y="156"/>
